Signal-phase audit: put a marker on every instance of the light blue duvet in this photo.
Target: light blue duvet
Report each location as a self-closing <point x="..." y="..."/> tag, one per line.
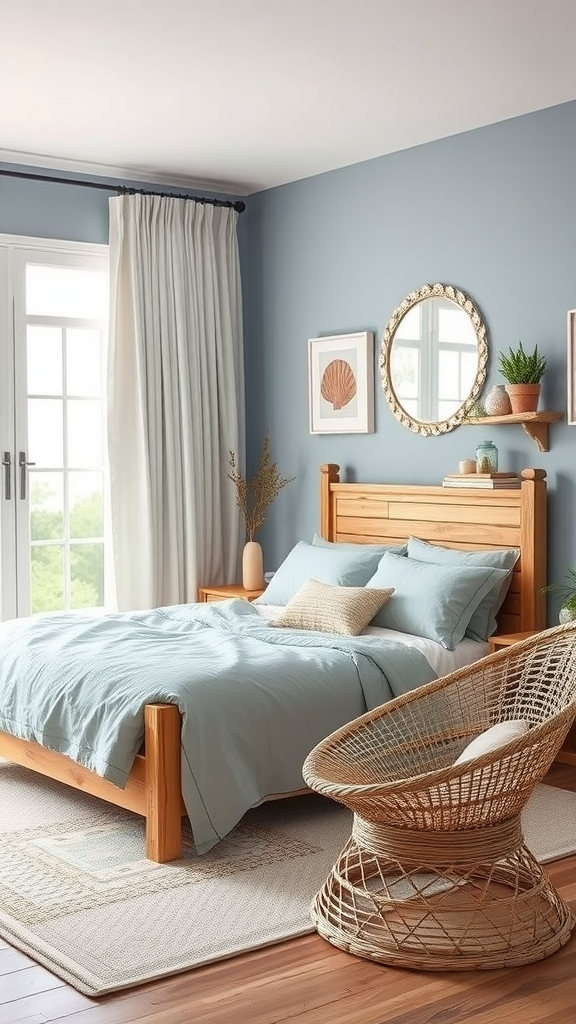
<point x="254" y="698"/>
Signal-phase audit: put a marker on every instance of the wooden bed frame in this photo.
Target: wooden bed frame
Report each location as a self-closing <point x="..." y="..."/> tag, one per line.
<point x="464" y="518"/>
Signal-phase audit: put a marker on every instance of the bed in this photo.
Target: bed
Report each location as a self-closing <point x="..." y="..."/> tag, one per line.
<point x="350" y="513"/>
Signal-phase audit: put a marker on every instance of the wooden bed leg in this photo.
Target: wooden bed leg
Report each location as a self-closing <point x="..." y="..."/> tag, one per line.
<point x="163" y="799"/>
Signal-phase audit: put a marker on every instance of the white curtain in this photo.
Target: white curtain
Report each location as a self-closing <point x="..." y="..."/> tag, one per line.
<point x="175" y="397"/>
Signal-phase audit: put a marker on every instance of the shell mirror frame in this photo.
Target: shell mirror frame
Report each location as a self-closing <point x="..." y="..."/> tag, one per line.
<point x="433" y="359"/>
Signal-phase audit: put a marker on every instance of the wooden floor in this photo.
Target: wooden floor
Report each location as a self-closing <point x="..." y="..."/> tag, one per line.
<point x="307" y="981"/>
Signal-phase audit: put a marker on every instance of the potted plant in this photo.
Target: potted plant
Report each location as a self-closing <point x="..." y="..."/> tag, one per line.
<point x="567" y="591"/>
<point x="523" y="371"/>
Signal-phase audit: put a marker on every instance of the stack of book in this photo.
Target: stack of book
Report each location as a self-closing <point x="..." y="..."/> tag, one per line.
<point x="492" y="480"/>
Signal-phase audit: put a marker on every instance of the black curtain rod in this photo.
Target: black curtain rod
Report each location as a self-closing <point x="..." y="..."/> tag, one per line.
<point x="237" y="204"/>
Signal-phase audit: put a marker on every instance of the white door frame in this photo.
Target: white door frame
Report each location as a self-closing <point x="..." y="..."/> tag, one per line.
<point x="15" y="252"/>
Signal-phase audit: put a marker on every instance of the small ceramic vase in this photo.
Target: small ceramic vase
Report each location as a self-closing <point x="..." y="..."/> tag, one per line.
<point x="497" y="401"/>
<point x="252" y="566"/>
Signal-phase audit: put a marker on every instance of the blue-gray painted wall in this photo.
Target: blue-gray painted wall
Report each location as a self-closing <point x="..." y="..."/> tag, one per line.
<point x="492" y="211"/>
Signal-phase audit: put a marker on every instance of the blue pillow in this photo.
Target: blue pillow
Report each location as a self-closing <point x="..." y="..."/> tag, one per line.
<point x="435" y="601"/>
<point x="398" y="549"/>
<point x="343" y="568"/>
<point x="483" y="622"/>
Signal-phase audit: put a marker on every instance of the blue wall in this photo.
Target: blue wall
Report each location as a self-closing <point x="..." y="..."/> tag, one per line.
<point x="492" y="211"/>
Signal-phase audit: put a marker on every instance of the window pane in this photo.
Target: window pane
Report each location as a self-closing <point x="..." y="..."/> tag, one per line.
<point x="449" y="375"/>
<point x="86" y="505"/>
<point x="46" y="506"/>
<point x="84" y="433"/>
<point x="404" y="371"/>
<point x="46" y="582"/>
<point x="45" y="432"/>
<point x="66" y="291"/>
<point x="86" y="575"/>
<point x="409" y="328"/>
<point x="83" y="362"/>
<point x="44" y="360"/>
<point x="410" y="405"/>
<point x="455" y="328"/>
<point x="469" y="361"/>
<point x="446" y="409"/>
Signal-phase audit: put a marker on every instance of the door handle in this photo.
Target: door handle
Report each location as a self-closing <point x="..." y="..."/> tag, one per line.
<point x="7" y="466"/>
<point x="23" y="464"/>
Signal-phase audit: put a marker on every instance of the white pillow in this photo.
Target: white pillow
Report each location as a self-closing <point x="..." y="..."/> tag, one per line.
<point x="327" y="609"/>
<point x="493" y="738"/>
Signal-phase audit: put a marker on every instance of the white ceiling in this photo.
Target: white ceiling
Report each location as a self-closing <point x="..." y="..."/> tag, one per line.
<point x="242" y="95"/>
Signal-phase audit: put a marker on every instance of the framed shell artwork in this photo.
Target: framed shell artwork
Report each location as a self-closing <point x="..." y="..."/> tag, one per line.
<point x="341" y="384"/>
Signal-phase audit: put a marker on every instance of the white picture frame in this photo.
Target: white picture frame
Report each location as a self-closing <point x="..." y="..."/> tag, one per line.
<point x="341" y="383"/>
<point x="571" y="366"/>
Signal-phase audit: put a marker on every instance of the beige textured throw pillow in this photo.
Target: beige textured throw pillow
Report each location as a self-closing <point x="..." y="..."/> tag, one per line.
<point x="493" y="738"/>
<point x="328" y="609"/>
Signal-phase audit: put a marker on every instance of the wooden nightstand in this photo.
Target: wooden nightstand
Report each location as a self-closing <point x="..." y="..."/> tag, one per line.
<point x="507" y="639"/>
<point x="222" y="593"/>
<point x="567" y="754"/>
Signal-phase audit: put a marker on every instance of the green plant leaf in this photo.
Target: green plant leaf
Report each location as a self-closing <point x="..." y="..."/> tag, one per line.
<point x="520" y="367"/>
<point x="566" y="590"/>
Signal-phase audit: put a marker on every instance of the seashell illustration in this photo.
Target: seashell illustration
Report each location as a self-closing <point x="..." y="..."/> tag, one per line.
<point x="338" y="385"/>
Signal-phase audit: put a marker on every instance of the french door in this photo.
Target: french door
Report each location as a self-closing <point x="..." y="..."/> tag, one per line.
<point x="54" y="550"/>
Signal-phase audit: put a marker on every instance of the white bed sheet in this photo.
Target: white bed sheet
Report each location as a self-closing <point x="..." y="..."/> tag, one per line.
<point x="440" y="660"/>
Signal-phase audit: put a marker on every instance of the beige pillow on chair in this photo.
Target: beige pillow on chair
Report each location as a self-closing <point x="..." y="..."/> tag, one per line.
<point x="329" y="609"/>
<point x="491" y="739"/>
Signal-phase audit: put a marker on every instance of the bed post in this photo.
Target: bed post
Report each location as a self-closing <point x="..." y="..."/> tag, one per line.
<point x="533" y="529"/>
<point x="329" y="474"/>
<point x="163" y="799"/>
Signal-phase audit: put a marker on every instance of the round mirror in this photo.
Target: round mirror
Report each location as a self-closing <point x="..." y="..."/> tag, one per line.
<point x="433" y="359"/>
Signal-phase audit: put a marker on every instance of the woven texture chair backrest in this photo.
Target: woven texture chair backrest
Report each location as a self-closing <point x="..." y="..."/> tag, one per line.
<point x="400" y="757"/>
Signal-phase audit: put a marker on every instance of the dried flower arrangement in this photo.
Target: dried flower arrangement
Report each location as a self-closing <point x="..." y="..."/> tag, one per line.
<point x="255" y="495"/>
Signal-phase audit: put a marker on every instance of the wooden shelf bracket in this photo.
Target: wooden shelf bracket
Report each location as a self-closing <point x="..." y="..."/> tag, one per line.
<point x="535" y="424"/>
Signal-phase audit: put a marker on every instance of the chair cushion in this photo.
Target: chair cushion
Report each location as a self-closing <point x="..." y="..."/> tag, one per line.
<point x="493" y="738"/>
<point x="434" y="601"/>
<point x="344" y="610"/>
<point x="483" y="622"/>
<point x="348" y="567"/>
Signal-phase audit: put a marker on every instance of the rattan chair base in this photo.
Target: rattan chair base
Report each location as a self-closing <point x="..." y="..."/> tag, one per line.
<point x="457" y="917"/>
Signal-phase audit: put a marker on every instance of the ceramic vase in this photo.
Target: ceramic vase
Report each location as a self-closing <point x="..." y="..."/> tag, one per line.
<point x="566" y="615"/>
<point x="252" y="566"/>
<point x="498" y="401"/>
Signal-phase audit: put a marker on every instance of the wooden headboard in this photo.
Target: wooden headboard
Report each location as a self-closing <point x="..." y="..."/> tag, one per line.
<point x="465" y="518"/>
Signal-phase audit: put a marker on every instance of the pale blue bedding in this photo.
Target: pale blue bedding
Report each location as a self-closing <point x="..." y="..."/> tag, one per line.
<point x="254" y="699"/>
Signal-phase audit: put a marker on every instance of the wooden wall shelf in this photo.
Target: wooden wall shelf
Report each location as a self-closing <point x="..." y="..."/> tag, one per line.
<point x="535" y="424"/>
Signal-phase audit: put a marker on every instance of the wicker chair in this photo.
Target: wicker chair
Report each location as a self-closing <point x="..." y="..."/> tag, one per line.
<point x="436" y="874"/>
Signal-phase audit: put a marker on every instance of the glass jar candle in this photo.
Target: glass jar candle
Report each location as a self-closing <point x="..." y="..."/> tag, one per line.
<point x="486" y="457"/>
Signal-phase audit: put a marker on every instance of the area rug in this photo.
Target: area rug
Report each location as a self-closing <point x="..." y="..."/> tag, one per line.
<point x="77" y="895"/>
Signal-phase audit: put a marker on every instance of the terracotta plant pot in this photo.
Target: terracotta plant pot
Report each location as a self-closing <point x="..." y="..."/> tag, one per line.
<point x="524" y="397"/>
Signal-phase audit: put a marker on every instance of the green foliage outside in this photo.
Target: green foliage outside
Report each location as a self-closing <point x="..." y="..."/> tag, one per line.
<point x="86" y="560"/>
